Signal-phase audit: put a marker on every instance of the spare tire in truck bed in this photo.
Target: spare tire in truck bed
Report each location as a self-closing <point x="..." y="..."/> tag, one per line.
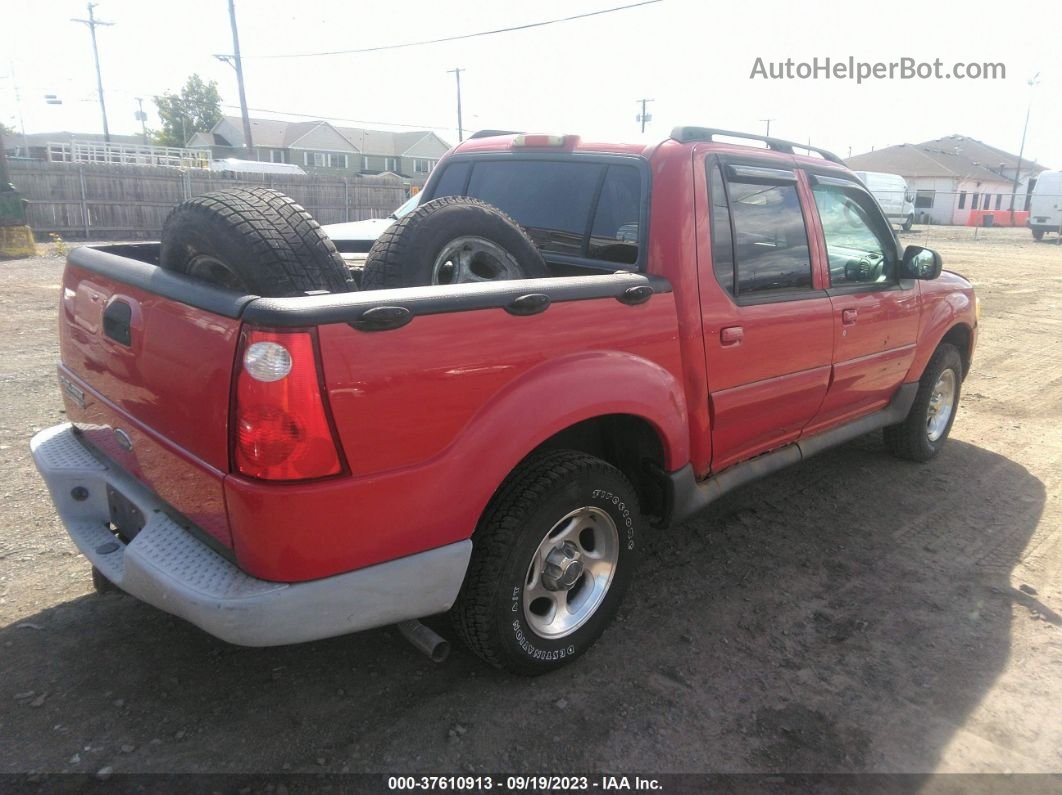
<point x="452" y="240"/>
<point x="252" y="239"/>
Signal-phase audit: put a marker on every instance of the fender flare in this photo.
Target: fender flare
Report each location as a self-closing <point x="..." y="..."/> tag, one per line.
<point x="946" y="315"/>
<point x="564" y="392"/>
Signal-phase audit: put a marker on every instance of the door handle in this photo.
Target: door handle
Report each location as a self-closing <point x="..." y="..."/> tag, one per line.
<point x="848" y="317"/>
<point x="731" y="335"/>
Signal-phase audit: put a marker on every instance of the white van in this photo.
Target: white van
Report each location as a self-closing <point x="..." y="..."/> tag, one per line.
<point x="1045" y="205"/>
<point x="893" y="194"/>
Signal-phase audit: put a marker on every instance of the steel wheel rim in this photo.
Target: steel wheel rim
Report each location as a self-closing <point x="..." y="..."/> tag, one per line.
<point x="591" y="534"/>
<point x="209" y="268"/>
<point x="941" y="405"/>
<point x="473" y="259"/>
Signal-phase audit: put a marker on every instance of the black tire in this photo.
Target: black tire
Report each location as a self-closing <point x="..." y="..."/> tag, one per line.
<point x="541" y="498"/>
<point x="407" y="253"/>
<point x="912" y="439"/>
<point x="101" y="584"/>
<point x="908" y="223"/>
<point x="1038" y="234"/>
<point x="256" y="240"/>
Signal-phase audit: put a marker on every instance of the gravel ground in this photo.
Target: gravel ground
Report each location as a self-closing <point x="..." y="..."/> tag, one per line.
<point x="857" y="613"/>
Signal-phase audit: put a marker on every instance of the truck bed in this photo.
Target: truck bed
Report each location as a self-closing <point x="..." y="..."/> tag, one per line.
<point x="488" y="355"/>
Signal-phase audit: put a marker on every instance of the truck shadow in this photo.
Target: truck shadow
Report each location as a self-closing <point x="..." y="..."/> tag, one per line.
<point x="842" y="616"/>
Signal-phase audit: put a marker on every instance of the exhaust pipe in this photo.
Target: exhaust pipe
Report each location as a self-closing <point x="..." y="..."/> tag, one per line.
<point x="425" y="639"/>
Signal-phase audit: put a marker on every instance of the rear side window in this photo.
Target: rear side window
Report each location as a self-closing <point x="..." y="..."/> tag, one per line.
<point x="764" y="236"/>
<point x="722" y="240"/>
<point x="579" y="209"/>
<point x="614" y="236"/>
<point x="452" y="182"/>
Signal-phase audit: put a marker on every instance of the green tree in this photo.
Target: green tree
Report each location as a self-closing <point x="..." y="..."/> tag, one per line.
<point x="5" y="130"/>
<point x="196" y="109"/>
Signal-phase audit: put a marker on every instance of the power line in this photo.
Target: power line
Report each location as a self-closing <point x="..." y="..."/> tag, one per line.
<point x="461" y="36"/>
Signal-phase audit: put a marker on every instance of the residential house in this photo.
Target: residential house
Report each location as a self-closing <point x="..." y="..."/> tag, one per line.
<point x="955" y="178"/>
<point x="322" y="147"/>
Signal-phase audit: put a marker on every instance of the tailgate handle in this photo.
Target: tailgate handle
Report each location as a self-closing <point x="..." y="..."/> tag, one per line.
<point x="116" y="322"/>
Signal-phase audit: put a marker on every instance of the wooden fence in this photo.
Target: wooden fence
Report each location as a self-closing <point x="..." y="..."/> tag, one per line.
<point x="88" y="201"/>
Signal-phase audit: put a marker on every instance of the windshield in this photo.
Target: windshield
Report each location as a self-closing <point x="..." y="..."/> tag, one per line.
<point x="406" y="207"/>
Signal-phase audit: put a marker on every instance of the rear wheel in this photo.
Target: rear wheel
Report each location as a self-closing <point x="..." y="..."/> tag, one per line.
<point x="1038" y="234"/>
<point x="552" y="557"/>
<point x="908" y="223"/>
<point x="922" y="435"/>
<point x="254" y="240"/>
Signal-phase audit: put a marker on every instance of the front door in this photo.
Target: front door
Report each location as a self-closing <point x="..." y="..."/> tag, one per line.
<point x="875" y="313"/>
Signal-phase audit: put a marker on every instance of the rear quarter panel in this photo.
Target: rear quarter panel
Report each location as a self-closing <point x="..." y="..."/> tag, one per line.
<point x="434" y="415"/>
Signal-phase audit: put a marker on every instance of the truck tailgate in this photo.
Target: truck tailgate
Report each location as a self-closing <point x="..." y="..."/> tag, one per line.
<point x="146" y="379"/>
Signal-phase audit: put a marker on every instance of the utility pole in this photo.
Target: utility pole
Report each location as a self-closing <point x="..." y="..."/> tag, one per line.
<point x="4" y="178"/>
<point x="92" y="23"/>
<point x="768" y="134"/>
<point x="142" y="117"/>
<point x="1032" y="82"/>
<point x="460" y="128"/>
<point x="644" y="117"/>
<point x="239" y="79"/>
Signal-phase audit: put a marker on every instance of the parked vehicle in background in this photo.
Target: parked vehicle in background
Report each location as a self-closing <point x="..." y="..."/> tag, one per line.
<point x="281" y="469"/>
<point x="356" y="237"/>
<point x="235" y="166"/>
<point x="1045" y="205"/>
<point x="893" y="194"/>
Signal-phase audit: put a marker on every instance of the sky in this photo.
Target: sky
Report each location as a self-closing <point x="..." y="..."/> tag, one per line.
<point x="693" y="59"/>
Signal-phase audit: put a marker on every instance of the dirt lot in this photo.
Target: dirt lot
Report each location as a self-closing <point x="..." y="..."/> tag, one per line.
<point x="857" y="613"/>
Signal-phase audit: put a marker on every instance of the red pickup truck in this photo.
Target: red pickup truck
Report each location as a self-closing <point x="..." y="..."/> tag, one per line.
<point x="277" y="470"/>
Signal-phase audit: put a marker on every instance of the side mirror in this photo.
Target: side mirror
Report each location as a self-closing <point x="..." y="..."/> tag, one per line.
<point x="920" y="263"/>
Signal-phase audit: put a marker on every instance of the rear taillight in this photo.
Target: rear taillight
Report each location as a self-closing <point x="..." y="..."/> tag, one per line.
<point x="281" y="429"/>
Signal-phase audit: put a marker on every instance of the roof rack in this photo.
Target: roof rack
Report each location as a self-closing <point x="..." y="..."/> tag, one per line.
<point x="492" y="133"/>
<point x="687" y="134"/>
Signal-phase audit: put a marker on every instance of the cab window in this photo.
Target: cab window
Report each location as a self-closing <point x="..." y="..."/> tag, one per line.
<point x="585" y="209"/>
<point x="759" y="241"/>
<point x="857" y="250"/>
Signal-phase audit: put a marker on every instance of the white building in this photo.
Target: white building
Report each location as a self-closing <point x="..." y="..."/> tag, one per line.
<point x="955" y="178"/>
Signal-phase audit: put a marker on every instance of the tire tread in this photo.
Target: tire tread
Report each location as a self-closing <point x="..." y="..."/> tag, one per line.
<point x="290" y="251"/>
<point x="907" y="439"/>
<point x="502" y="522"/>
<point x="384" y="262"/>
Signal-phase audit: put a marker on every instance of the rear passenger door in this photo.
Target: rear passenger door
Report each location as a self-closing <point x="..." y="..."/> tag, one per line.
<point x="766" y="315"/>
<point x="876" y="314"/>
